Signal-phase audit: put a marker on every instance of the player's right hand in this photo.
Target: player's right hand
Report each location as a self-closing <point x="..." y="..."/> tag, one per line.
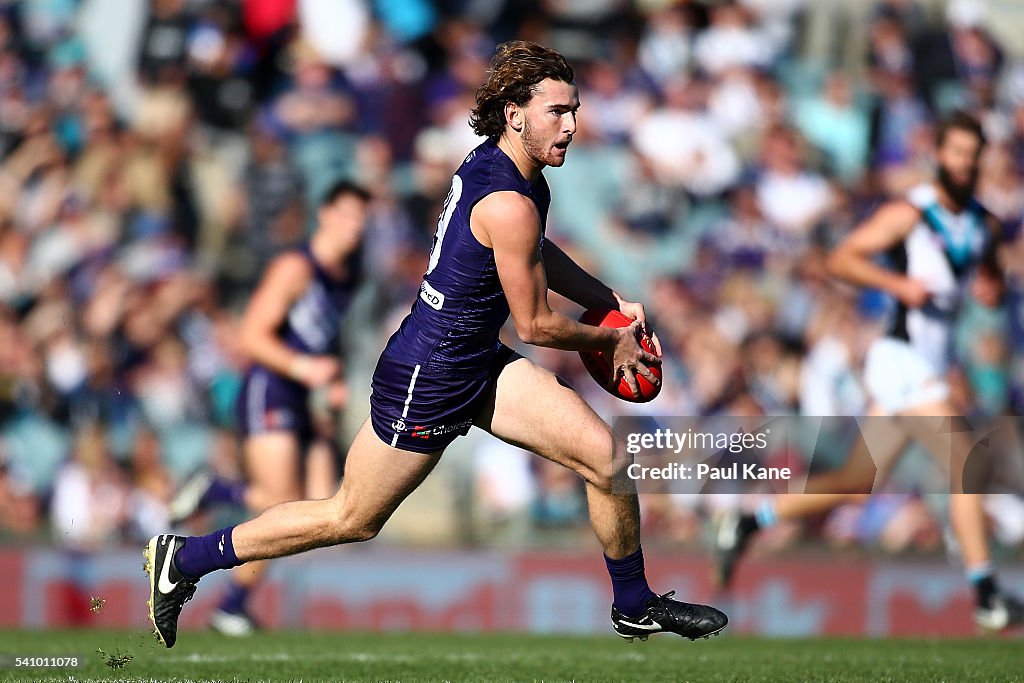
<point x="913" y="293"/>
<point x="316" y="371"/>
<point x="636" y="312"/>
<point x="629" y="358"/>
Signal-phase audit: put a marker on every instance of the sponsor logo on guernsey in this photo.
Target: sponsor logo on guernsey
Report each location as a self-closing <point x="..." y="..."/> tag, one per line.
<point x="422" y="432"/>
<point x="431" y="296"/>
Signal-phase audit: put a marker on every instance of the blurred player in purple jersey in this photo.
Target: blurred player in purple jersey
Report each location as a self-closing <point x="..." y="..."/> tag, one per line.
<point x="290" y="332"/>
<point x="445" y="371"/>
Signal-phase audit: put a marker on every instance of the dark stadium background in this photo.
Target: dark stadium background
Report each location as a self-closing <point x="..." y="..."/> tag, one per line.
<point x="155" y="155"/>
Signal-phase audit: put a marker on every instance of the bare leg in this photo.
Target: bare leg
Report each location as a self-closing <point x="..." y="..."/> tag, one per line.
<point x="527" y="407"/>
<point x="530" y="408"/>
<point x="273" y="469"/>
<point x="249" y="574"/>
<point x="321" y="471"/>
<point x="377" y="479"/>
<point x="870" y="459"/>
<point x="967" y="517"/>
<point x="792" y="506"/>
<point x="951" y="448"/>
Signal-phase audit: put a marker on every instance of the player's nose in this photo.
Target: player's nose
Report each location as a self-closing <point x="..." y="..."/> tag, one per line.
<point x="569" y="124"/>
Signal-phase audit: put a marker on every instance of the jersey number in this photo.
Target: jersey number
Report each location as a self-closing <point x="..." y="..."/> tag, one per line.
<point x="442" y="223"/>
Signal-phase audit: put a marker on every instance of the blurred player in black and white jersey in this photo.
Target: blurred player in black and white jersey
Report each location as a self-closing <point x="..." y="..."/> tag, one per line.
<point x="942" y="244"/>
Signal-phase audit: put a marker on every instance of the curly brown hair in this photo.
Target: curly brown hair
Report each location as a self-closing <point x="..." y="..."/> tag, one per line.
<point x="514" y="72"/>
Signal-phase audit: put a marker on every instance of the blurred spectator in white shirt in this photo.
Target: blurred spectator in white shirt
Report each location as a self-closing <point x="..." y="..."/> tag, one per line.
<point x="90" y="495"/>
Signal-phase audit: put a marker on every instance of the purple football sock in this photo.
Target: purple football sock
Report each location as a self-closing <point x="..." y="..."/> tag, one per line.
<point x="234" y="598"/>
<point x="225" y="492"/>
<point x="203" y="554"/>
<point x="629" y="584"/>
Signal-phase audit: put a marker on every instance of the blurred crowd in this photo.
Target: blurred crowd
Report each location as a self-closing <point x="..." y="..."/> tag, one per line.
<point x="156" y="155"/>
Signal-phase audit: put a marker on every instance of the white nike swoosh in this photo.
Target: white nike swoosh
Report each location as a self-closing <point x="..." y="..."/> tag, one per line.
<point x="165" y="585"/>
<point x="644" y="627"/>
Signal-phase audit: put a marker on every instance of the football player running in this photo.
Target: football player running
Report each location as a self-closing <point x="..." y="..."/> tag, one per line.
<point x="942" y="242"/>
<point x="445" y="371"/>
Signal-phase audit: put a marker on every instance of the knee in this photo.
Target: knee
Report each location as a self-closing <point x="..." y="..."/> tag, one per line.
<point x="350" y="526"/>
<point x="357" y="532"/>
<point x="610" y="462"/>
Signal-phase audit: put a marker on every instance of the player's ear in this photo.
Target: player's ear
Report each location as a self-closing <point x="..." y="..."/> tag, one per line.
<point x="514" y="116"/>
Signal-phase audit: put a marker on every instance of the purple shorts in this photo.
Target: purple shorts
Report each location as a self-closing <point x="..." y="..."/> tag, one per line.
<point x="420" y="410"/>
<point x="268" y="402"/>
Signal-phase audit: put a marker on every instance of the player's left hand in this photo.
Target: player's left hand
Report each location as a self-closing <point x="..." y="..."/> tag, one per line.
<point x="636" y="312"/>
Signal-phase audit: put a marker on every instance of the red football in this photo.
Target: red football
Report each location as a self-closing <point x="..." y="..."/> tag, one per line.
<point x="600" y="368"/>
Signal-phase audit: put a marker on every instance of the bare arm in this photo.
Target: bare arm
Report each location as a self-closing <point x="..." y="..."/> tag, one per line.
<point x="284" y="282"/>
<point x="989" y="284"/>
<point x="853" y="262"/>
<point x="565" y="277"/>
<point x="509" y="223"/>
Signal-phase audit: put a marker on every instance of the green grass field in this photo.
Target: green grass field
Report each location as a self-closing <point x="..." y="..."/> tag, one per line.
<point x="323" y="656"/>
